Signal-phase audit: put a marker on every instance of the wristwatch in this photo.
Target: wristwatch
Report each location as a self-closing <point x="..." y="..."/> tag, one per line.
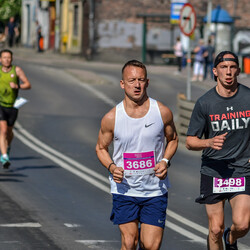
<point x="167" y="161"/>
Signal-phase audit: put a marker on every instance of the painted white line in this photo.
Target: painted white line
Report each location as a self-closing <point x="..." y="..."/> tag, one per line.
<point x="62" y="163"/>
<point x="92" y="242"/>
<point x="185" y="233"/>
<point x="9" y="241"/>
<point x="243" y="246"/>
<point x="193" y="225"/>
<point x="97" y="93"/>
<point x="71" y="225"/>
<point x="80" y="83"/>
<point x="187" y="222"/>
<point x="58" y="154"/>
<point x="27" y="224"/>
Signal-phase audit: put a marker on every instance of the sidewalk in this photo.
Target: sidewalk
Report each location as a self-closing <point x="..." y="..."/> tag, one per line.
<point x="72" y="63"/>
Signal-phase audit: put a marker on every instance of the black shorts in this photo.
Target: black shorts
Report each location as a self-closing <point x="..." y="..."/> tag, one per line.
<point x="9" y="115"/>
<point x="208" y="197"/>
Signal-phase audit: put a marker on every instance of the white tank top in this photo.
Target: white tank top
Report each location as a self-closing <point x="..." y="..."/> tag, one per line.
<point x="137" y="135"/>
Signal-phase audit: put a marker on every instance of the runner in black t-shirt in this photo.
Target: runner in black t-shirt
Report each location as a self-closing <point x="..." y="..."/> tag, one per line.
<point x="220" y="126"/>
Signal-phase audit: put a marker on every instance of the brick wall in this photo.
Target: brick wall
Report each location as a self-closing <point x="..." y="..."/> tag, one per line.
<point x="128" y="9"/>
<point x="119" y="30"/>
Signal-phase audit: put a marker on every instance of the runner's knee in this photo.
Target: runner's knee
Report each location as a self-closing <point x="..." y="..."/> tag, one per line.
<point x="4" y="132"/>
<point x="242" y="227"/>
<point x="150" y="244"/>
<point x="129" y="241"/>
<point x="216" y="232"/>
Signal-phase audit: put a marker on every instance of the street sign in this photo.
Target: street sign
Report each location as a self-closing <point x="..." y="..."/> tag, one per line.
<point x="187" y="25"/>
<point x="176" y="6"/>
<point x="187" y="19"/>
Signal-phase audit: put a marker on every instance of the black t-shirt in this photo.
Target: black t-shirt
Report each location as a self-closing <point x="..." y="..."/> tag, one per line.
<point x="214" y="115"/>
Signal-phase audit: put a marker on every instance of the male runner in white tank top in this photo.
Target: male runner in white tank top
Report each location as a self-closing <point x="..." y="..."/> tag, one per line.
<point x="145" y="140"/>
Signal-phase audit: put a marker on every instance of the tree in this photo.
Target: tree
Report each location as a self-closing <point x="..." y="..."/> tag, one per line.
<point x="9" y="8"/>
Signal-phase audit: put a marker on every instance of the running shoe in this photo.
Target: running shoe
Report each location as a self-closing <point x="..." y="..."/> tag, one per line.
<point x="227" y="245"/>
<point x="5" y="162"/>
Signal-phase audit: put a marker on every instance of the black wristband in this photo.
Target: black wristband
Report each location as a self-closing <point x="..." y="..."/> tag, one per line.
<point x="110" y="166"/>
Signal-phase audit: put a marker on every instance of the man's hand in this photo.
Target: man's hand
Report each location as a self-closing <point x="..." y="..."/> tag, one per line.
<point x="13" y="85"/>
<point x="117" y="173"/>
<point x="217" y="142"/>
<point x="161" y="170"/>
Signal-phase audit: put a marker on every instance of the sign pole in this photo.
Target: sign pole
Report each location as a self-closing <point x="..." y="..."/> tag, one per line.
<point x="189" y="71"/>
<point x="187" y="26"/>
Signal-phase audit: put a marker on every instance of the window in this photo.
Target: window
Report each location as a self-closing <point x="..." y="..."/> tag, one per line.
<point x="76" y="13"/>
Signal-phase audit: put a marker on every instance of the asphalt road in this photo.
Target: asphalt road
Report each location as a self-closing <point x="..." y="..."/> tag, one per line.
<point x="56" y="193"/>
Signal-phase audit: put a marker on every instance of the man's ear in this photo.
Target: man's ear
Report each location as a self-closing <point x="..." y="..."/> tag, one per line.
<point x="215" y="71"/>
<point x="122" y="84"/>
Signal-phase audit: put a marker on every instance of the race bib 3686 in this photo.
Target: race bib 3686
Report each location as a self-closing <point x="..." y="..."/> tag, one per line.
<point x="139" y="163"/>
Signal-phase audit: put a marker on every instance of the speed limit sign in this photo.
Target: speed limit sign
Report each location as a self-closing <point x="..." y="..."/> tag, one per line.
<point x="187" y="19"/>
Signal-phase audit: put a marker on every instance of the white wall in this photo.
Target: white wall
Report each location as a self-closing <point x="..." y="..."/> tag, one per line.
<point x="43" y="19"/>
<point x="30" y="13"/>
<point x="122" y="34"/>
<point x="28" y="22"/>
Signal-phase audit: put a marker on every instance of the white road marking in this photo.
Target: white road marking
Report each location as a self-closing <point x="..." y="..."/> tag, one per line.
<point x="27" y="224"/>
<point x="62" y="163"/>
<point x="242" y="246"/>
<point x="49" y="149"/>
<point x="81" y="84"/>
<point x="185" y="233"/>
<point x="95" y="241"/>
<point x="193" y="225"/>
<point x="98" y="94"/>
<point x="187" y="222"/>
<point x="9" y="241"/>
<point x="71" y="225"/>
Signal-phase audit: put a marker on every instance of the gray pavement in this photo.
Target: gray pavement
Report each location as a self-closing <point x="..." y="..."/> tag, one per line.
<point x="73" y="65"/>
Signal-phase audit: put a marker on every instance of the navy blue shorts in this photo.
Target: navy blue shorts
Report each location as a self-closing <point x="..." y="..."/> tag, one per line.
<point x="208" y="197"/>
<point x="150" y="210"/>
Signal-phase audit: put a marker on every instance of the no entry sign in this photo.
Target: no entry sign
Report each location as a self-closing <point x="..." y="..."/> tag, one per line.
<point x="187" y="19"/>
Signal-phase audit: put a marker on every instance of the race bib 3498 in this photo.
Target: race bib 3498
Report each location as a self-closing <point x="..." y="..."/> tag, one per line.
<point x="229" y="185"/>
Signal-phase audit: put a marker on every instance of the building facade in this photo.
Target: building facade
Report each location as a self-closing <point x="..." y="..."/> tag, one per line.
<point x="114" y="29"/>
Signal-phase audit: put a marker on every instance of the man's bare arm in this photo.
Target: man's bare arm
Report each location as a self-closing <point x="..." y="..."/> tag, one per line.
<point x="25" y="84"/>
<point x="171" y="137"/>
<point x="197" y="144"/>
<point x="105" y="137"/>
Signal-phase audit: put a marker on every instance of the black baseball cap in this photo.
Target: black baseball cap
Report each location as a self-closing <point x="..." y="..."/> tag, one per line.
<point x="219" y="58"/>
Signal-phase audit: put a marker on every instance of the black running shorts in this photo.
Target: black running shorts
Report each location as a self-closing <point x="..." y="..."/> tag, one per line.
<point x="9" y="115"/>
<point x="208" y="197"/>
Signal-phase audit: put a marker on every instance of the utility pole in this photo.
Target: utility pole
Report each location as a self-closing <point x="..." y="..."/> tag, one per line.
<point x="57" y="28"/>
<point x="144" y="40"/>
<point x="209" y="20"/>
